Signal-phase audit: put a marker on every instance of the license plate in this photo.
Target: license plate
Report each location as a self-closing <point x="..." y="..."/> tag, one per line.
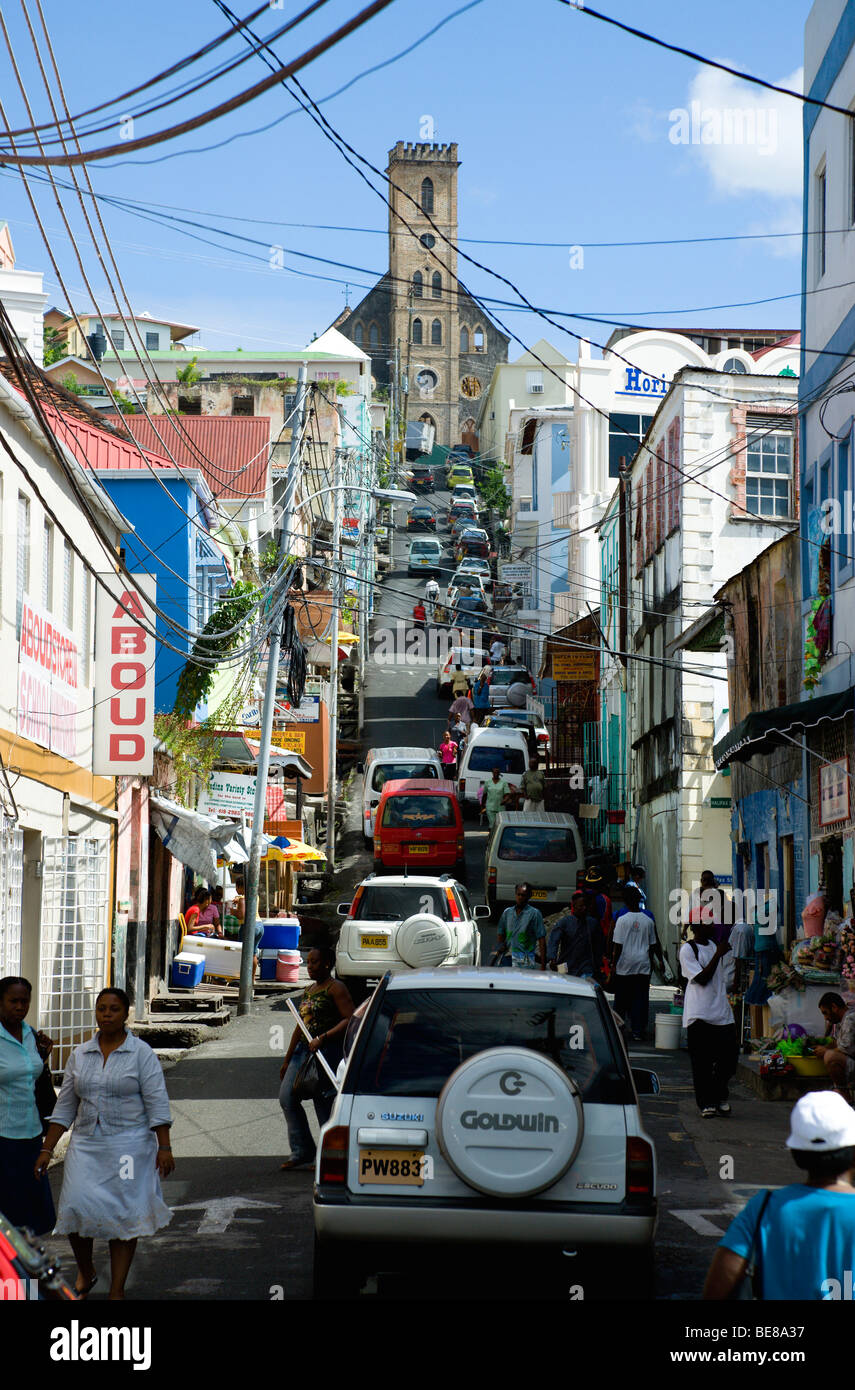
<point x="418" y="849"/>
<point x="373" y="943"/>
<point x="538" y="893"/>
<point x="393" y="1167"/>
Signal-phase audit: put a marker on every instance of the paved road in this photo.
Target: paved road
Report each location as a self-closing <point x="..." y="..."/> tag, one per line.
<point x="243" y="1230"/>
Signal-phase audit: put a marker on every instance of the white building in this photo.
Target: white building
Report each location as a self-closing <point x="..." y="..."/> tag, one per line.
<point x="702" y="467"/>
<point x="57" y="819"/>
<point x="23" y="297"/>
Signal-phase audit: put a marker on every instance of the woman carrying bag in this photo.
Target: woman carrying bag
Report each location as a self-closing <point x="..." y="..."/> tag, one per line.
<point x="26" y="1095"/>
<point x="325" y="1009"/>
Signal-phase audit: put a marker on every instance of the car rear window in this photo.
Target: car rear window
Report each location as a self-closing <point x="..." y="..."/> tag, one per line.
<point x="418" y="812"/>
<point x="530" y="842"/>
<point x="506" y="675"/>
<point x="400" y="772"/>
<point x="419" y="1037"/>
<point x="388" y="902"/>
<point x="485" y="756"/>
<point x="424" y="547"/>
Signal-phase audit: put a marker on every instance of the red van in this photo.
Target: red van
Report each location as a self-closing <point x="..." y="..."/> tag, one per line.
<point x="418" y="822"/>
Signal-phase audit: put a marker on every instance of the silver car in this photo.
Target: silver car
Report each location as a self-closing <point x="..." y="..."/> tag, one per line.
<point x="483" y="1110"/>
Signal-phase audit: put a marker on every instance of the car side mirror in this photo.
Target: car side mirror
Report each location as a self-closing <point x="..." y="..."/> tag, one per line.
<point x="360" y="768"/>
<point x="481" y="911"/>
<point x="343" y="909"/>
<point x="646" y="1082"/>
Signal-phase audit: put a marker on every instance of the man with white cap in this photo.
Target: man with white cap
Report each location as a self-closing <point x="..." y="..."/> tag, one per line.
<point x="800" y="1238"/>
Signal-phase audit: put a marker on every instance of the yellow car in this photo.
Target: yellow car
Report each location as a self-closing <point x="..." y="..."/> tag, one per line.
<point x="459" y="473"/>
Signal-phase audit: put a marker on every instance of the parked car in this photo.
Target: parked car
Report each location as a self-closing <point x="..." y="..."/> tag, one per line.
<point x="385" y="927"/>
<point x="459" y="473"/>
<point x="384" y="765"/>
<point x="465" y="490"/>
<point x="505" y="717"/>
<point x="466" y="585"/>
<point x="469" y="606"/>
<point x="418" y="821"/>
<point x="462" y="510"/>
<point x="503" y="678"/>
<point x="476" y="564"/>
<point x="421" y="517"/>
<point x="472" y="541"/>
<point x="506" y="749"/>
<point x="542" y="847"/>
<point x="460" y="658"/>
<point x="488" y="1113"/>
<point x="458" y="524"/>
<point x="422" y="478"/>
<point x="424" y="556"/>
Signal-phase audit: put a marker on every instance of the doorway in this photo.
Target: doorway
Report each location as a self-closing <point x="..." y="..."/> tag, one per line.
<point x="786" y="878"/>
<point x="831" y="860"/>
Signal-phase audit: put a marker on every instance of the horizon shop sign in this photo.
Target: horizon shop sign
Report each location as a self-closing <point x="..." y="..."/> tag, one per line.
<point x="639" y="383"/>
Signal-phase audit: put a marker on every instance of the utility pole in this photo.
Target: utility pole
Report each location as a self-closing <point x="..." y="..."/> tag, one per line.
<point x="336" y="602"/>
<point x="259" y="805"/>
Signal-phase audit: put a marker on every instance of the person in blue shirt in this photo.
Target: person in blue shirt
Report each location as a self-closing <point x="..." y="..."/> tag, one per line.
<point x="25" y="1200"/>
<point x="800" y="1238"/>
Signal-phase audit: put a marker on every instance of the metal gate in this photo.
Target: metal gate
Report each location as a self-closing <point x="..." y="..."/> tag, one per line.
<point x="73" y="940"/>
<point x="11" y="887"/>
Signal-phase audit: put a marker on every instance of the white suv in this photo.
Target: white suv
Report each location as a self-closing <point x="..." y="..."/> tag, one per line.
<point x="489" y="1112"/>
<point x="405" y="922"/>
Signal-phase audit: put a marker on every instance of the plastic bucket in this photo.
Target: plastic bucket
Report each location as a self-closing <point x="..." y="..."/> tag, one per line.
<point x="288" y="967"/>
<point x="668" y="1029"/>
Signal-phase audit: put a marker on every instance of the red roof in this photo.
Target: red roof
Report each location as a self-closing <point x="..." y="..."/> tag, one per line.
<point x="99" y="449"/>
<point x="791" y="340"/>
<point x="232" y="451"/>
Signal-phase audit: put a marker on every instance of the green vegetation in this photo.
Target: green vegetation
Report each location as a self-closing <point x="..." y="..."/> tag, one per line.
<point x="189" y="375"/>
<point x="55" y="347"/>
<point x="70" y="382"/>
<point x="494" y="491"/>
<point x="195" y="681"/>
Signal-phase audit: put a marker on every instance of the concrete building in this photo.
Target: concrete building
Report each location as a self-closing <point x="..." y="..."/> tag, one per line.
<point x="538" y="378"/>
<point x="827" y="445"/>
<point x="23" y="297"/>
<point x="697" y="482"/>
<point x="446" y="346"/>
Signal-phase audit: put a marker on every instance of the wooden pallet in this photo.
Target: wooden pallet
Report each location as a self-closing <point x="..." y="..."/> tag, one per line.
<point x="186" y="1001"/>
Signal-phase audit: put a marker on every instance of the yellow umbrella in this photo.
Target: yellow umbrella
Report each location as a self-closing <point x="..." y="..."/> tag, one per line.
<point x="346" y="639"/>
<point x="296" y="850"/>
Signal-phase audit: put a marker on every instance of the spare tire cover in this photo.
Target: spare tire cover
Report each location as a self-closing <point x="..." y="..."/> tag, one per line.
<point x="518" y="693"/>
<point x="509" y="1122"/>
<point x="424" y="940"/>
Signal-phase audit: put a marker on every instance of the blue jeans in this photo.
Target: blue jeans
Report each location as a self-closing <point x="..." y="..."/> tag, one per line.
<point x="299" y="1134"/>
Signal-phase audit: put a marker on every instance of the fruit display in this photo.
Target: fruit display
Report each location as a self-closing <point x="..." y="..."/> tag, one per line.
<point x="818" y="958"/>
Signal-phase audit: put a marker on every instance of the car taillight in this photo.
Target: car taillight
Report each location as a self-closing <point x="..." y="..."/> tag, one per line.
<point x="460" y="846"/>
<point x="543" y="738"/>
<point x="461" y="787"/>
<point x="454" y="910"/>
<point x="533" y="686"/>
<point x="639" y="1168"/>
<point x="491" y="877"/>
<point x="357" y="895"/>
<point x="334" y="1155"/>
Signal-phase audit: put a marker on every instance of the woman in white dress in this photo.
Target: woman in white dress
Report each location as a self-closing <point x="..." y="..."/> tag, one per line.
<point x="114" y="1094"/>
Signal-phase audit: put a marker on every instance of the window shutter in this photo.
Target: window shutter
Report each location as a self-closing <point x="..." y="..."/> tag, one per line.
<point x="649" y="510"/>
<point x="639" y="527"/>
<point x="661" y="475"/>
<point x="675" y="477"/>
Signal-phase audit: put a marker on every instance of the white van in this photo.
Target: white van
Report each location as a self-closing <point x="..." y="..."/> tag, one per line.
<point x="542" y="848"/>
<point x="486" y="748"/>
<point x="384" y="765"/>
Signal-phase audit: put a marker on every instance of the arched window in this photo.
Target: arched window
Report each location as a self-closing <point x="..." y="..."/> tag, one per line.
<point x="478" y="339"/>
<point x="427" y="195"/>
<point x="417" y="330"/>
<point x="374" y="336"/>
<point x="464" y="339"/>
<point x="359" y="335"/>
<point x="417" y="285"/>
<point x="427" y="420"/>
<point x="436" y="285"/>
<point x="436" y="333"/>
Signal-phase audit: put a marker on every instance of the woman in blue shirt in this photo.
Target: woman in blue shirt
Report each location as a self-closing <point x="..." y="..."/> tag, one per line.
<point x="25" y="1200"/>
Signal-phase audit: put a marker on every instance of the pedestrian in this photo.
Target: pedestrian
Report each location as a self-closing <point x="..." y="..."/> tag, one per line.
<point x="431" y="598"/>
<point x="440" y="614"/>
<point x="495" y="792"/>
<point x="202" y="916"/>
<point x="25" y="1199"/>
<point x="634" y="947"/>
<point x="602" y="903"/>
<point x="419" y="614"/>
<point x="448" y="755"/>
<point x="533" y="787"/>
<point x="637" y="879"/>
<point x="459" y="683"/>
<point x="461" y="708"/>
<point x="480" y="698"/>
<point x="521" y="932"/>
<point x="114" y="1095"/>
<point x="708" y="1020"/>
<point x="498" y="651"/>
<point x="801" y="1237"/>
<point x="325" y="1008"/>
<point x="840" y="1059"/>
<point x="573" y="941"/>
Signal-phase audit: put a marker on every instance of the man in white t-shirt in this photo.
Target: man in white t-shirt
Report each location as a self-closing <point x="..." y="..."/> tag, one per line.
<point x="634" y="946"/>
<point x="708" y="1020"/>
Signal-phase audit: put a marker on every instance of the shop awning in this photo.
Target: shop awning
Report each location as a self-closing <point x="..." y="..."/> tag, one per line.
<point x="762" y="731"/>
<point x="197" y="840"/>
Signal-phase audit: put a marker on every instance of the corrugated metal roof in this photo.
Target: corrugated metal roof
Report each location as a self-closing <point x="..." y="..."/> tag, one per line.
<point x="99" y="449"/>
<point x="231" y="450"/>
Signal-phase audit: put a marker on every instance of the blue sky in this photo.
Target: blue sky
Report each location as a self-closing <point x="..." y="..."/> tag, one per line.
<point x="565" y="134"/>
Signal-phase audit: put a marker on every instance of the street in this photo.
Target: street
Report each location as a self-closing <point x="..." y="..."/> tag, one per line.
<point x="244" y="1230"/>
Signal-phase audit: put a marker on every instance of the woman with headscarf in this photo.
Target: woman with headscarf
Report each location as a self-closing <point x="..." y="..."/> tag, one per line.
<point x="114" y="1094"/>
<point x="25" y="1199"/>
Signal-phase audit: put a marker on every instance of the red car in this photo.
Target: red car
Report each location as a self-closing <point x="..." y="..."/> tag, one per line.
<point x="418" y="822"/>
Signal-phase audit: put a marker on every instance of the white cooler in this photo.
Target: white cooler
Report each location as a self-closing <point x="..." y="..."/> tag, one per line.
<point x="222" y="957"/>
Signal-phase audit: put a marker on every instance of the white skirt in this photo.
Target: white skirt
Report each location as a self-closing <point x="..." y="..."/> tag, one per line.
<point x="111" y="1187"/>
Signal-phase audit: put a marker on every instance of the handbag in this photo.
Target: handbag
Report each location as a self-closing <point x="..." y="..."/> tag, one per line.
<point x="501" y="958"/>
<point x="311" y="1080"/>
<point x="45" y="1095"/>
<point x="752" y="1280"/>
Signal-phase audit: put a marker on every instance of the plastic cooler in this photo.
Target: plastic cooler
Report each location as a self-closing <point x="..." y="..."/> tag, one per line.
<point x="187" y="970"/>
<point x="288" y="967"/>
<point x="222" y="958"/>
<point x="280" y="934"/>
<point x="267" y="968"/>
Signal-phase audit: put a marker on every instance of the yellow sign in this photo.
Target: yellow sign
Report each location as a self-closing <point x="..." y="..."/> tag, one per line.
<point x="574" y="666"/>
<point x="294" y="741"/>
